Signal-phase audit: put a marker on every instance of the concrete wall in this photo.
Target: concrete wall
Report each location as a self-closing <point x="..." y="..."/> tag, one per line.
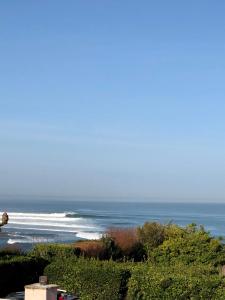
<point x="37" y="291"/>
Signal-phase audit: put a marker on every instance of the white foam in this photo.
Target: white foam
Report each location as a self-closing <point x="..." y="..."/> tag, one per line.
<point x="14" y="241"/>
<point x="51" y="222"/>
<point x="65" y="219"/>
<point x="46" y="215"/>
<point x="29" y="240"/>
<point x="46" y="229"/>
<point x="89" y="235"/>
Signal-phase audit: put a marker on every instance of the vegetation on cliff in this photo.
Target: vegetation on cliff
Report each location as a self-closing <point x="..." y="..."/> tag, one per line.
<point x="153" y="261"/>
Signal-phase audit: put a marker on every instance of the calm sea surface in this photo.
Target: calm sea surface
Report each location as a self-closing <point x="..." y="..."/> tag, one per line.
<point x="66" y="221"/>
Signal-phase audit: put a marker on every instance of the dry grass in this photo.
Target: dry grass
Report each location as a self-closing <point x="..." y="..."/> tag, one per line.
<point x="11" y="250"/>
<point x="125" y="238"/>
<point x="91" y="248"/>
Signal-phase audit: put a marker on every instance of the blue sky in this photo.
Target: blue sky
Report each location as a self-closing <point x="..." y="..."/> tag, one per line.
<point x="113" y="99"/>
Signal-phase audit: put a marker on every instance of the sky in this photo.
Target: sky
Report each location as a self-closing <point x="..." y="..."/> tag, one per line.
<point x="113" y="99"/>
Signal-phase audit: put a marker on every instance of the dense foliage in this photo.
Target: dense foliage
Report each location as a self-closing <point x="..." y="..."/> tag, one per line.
<point x="17" y="271"/>
<point x="90" y="278"/>
<point x="175" y="282"/>
<point x="123" y="244"/>
<point x="10" y="251"/>
<point x="153" y="261"/>
<point x="94" y="249"/>
<point x="151" y="235"/>
<point x="188" y="245"/>
<point x="94" y="279"/>
<point x="50" y="252"/>
<point x="177" y="263"/>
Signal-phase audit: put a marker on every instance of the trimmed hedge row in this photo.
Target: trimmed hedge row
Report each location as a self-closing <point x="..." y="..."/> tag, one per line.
<point x="89" y="278"/>
<point x="93" y="279"/>
<point x="19" y="271"/>
<point x="179" y="282"/>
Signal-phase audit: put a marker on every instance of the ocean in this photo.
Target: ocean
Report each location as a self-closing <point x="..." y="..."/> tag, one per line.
<point x="67" y="221"/>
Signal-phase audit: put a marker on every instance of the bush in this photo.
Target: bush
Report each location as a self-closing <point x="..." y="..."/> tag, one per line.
<point x="189" y="245"/>
<point x="126" y="243"/>
<point x="178" y="282"/>
<point x="19" y="271"/>
<point x="112" y="251"/>
<point x="10" y="251"/>
<point x="50" y="252"/>
<point x="94" y="249"/>
<point x="124" y="238"/>
<point x="151" y="235"/>
<point x="89" y="278"/>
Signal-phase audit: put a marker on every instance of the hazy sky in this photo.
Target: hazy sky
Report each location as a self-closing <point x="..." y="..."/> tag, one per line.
<point x="113" y="98"/>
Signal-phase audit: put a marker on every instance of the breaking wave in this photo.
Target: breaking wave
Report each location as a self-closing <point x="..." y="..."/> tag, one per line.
<point x="50" y="227"/>
<point x="89" y="235"/>
<point x="29" y="240"/>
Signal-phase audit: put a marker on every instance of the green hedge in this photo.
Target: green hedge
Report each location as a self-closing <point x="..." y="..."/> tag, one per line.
<point x="194" y="247"/>
<point x="89" y="278"/>
<point x="19" y="271"/>
<point x="179" y="282"/>
<point x="54" y="251"/>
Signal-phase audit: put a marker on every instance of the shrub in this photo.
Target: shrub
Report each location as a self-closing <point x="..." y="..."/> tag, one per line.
<point x="125" y="238"/>
<point x="151" y="234"/>
<point x="189" y="245"/>
<point x="19" y="271"/>
<point x="173" y="231"/>
<point x="95" y="249"/>
<point x="89" y="278"/>
<point x="177" y="282"/>
<point x="125" y="242"/>
<point x="112" y="251"/>
<point x="10" y="251"/>
<point x="53" y="251"/>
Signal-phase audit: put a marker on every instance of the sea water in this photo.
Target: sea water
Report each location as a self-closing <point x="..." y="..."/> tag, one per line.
<point x="39" y="221"/>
